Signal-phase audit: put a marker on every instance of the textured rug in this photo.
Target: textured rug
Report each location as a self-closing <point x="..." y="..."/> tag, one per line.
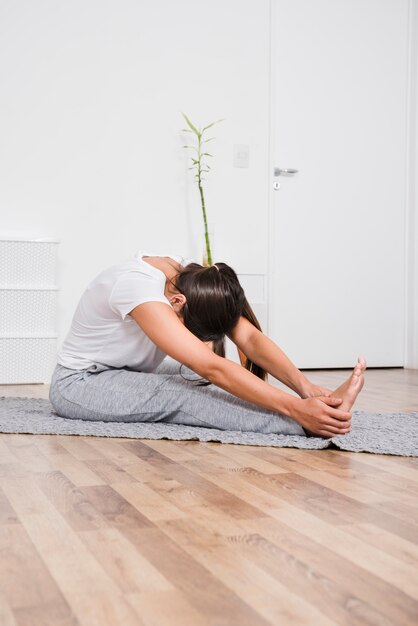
<point x="381" y="433"/>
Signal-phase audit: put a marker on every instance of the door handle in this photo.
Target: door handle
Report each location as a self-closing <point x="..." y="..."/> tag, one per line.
<point x="285" y="172"/>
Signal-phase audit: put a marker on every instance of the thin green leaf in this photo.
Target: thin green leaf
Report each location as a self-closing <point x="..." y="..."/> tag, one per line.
<point x="212" y="124"/>
<point x="186" y="130"/>
<point x="206" y="154"/>
<point x="207" y="140"/>
<point x="194" y="129"/>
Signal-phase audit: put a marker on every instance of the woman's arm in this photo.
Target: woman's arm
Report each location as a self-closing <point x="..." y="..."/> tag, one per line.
<point x="165" y="330"/>
<point x="263" y="351"/>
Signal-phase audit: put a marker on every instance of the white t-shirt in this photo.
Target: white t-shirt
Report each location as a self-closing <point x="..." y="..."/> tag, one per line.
<point x="102" y="334"/>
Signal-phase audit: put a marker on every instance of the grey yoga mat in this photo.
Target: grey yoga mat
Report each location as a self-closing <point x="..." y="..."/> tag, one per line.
<point x="381" y="433"/>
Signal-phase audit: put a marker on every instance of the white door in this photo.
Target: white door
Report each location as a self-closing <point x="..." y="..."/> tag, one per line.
<point x="339" y="91"/>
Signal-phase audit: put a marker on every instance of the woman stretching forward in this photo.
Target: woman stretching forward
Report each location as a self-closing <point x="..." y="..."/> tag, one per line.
<point x="111" y="365"/>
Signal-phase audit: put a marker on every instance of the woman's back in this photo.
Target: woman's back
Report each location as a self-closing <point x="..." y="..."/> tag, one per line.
<point x="102" y="334"/>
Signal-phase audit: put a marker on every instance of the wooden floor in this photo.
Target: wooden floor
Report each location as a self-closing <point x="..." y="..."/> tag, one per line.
<point x="113" y="532"/>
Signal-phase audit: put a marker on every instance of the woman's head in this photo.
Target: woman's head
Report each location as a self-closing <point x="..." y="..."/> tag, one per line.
<point x="214" y="300"/>
<point x="214" y="303"/>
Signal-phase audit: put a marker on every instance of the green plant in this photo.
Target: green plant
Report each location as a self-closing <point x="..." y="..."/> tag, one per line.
<point x="200" y="165"/>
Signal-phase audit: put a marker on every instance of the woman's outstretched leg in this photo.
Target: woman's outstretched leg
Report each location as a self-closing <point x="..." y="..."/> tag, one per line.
<point x="127" y="396"/>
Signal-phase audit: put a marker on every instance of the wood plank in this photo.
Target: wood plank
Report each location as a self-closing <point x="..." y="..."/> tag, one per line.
<point x="204" y="591"/>
<point x="166" y="608"/>
<point x="152" y="504"/>
<point x="98" y="608"/>
<point x="386" y="542"/>
<point x="7" y="513"/>
<point x="7" y="617"/>
<point x="205" y="489"/>
<point x="273" y="600"/>
<point x="117" y="511"/>
<point x="47" y="614"/>
<point x="69" y="500"/>
<point x="81" y="447"/>
<point x="86" y="586"/>
<point x="75" y="470"/>
<point x="399" y="575"/>
<point x="6" y="455"/>
<point x="129" y="570"/>
<point x="109" y="471"/>
<point x="344" y="591"/>
<point x="27" y="454"/>
<point x="24" y="579"/>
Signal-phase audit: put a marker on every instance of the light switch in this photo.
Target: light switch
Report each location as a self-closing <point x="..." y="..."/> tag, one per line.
<point x="241" y="155"/>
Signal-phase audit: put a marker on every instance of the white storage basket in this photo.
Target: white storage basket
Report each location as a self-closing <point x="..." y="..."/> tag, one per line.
<point x="26" y="360"/>
<point x="28" y="304"/>
<point x="28" y="263"/>
<point x="31" y="311"/>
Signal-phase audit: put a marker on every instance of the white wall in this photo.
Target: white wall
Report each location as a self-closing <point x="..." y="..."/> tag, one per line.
<point x="91" y="93"/>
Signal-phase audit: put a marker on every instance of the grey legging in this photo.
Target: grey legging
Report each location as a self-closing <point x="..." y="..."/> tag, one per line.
<point x="120" y="395"/>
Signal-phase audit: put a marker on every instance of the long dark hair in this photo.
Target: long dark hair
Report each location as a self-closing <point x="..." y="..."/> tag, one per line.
<point x="215" y="301"/>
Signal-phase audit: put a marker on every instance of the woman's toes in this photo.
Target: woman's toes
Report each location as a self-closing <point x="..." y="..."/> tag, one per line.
<point x="358" y="370"/>
<point x="362" y="362"/>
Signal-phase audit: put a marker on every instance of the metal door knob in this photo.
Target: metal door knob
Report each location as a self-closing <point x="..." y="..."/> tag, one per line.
<point x="285" y="172"/>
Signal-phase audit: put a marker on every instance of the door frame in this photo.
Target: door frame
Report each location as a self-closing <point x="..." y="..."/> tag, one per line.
<point x="411" y="212"/>
<point x="411" y="195"/>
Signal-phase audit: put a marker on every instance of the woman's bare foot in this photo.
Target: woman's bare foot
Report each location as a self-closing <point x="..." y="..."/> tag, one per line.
<point x="350" y="389"/>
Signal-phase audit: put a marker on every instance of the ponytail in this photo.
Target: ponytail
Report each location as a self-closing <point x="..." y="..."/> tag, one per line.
<point x="249" y="315"/>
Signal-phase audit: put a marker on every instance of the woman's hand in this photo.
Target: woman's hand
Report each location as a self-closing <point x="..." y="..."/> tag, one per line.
<point x="320" y="416"/>
<point x="309" y="390"/>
